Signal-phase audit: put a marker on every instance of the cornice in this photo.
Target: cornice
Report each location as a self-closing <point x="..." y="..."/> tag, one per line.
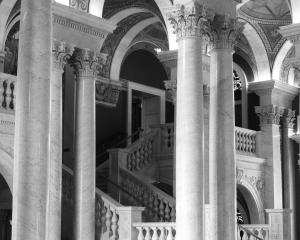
<point x="273" y="84"/>
<point x="167" y="55"/>
<point x="290" y="30"/>
<point x="81" y="21"/>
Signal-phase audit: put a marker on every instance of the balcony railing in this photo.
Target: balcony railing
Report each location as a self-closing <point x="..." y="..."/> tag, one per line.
<point x="7" y="93"/>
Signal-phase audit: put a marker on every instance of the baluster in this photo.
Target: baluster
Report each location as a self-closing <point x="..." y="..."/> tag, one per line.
<point x="129" y="162"/>
<point x="148" y="235"/>
<point x="151" y="199"/>
<point x="137" y="160"/>
<point x="161" y="210"/>
<point x="155" y="234"/>
<point x="103" y="219"/>
<point x="254" y="143"/>
<point x="108" y="222"/>
<point x="114" y="226"/>
<point x="8" y="95"/>
<point x="142" y="156"/>
<point x="173" y="213"/>
<point x="238" y="141"/>
<point x="156" y="207"/>
<point x="170" y="234"/>
<point x="12" y="96"/>
<point x="3" y="94"/>
<point x="140" y="234"/>
<point x="162" y="233"/>
<point x="167" y="212"/>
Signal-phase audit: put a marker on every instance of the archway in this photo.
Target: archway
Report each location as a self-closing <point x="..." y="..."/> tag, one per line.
<point x="5" y="210"/>
<point x="248" y="205"/>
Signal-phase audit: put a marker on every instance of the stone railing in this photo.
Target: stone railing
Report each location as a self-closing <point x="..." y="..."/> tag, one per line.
<point x="155" y="231"/>
<point x="135" y="157"/>
<point x="112" y="220"/>
<point x="7" y="93"/>
<point x="159" y="206"/>
<point x="253" y="232"/>
<point x="245" y="140"/>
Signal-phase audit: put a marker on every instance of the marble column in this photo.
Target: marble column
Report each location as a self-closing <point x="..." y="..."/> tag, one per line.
<point x="222" y="163"/>
<point x="86" y="64"/>
<point x="289" y="168"/>
<point x="60" y="53"/>
<point x="189" y="122"/>
<point x="2" y="58"/>
<point x="31" y="184"/>
<point x="270" y="116"/>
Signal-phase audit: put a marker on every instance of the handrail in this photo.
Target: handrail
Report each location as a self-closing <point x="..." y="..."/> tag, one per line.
<point x="140" y="130"/>
<point x="249" y="232"/>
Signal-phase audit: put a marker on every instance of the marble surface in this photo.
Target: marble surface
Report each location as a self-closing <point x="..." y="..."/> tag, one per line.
<point x="84" y="165"/>
<point x="222" y="164"/>
<point x="189" y="141"/>
<point x="31" y="184"/>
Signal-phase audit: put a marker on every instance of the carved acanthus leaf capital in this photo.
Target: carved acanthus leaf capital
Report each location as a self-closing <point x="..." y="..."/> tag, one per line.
<point x="289" y="117"/>
<point x="190" y="21"/>
<point x="224" y="31"/>
<point x="61" y="53"/>
<point x="88" y="63"/>
<point x="171" y="88"/>
<point x="269" y="114"/>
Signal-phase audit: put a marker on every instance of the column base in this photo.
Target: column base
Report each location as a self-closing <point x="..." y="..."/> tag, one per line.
<point x="280" y="224"/>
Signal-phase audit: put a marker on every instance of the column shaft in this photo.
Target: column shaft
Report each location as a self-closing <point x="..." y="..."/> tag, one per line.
<point x="189" y="141"/>
<point x="31" y="183"/>
<point x="84" y="166"/>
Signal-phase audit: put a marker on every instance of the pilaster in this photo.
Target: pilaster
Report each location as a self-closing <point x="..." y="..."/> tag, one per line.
<point x="279" y="222"/>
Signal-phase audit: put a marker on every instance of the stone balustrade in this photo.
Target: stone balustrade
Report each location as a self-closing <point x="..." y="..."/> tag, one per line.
<point x="159" y="205"/>
<point x="7" y="93"/>
<point x="253" y="232"/>
<point x="155" y="231"/>
<point x="245" y="140"/>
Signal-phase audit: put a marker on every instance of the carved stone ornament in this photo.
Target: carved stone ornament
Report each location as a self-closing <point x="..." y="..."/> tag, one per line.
<point x="256" y="182"/>
<point x="171" y="88"/>
<point x="88" y="63"/>
<point x="107" y="93"/>
<point x="288" y="64"/>
<point x="190" y="21"/>
<point x="289" y="117"/>
<point x="82" y="5"/>
<point x="269" y="114"/>
<point x="223" y="31"/>
<point x="61" y="53"/>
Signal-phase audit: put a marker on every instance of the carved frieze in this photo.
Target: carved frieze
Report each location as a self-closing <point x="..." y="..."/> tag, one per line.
<point x="107" y="93"/>
<point x="82" y="5"/>
<point x="256" y="182"/>
<point x="269" y="114"/>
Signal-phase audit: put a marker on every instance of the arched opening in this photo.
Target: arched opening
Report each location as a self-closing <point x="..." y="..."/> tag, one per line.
<point x="5" y="210"/>
<point x="247" y="206"/>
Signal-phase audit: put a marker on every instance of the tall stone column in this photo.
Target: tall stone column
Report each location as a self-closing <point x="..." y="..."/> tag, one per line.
<point x="222" y="163"/>
<point x="60" y="53"/>
<point x="86" y="64"/>
<point x="289" y="168"/>
<point x="188" y="23"/>
<point x="31" y="184"/>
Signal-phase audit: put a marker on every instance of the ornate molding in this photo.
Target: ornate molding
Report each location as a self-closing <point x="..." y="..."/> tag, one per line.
<point x="86" y="29"/>
<point x="269" y="114"/>
<point x="190" y="21"/>
<point x="61" y="53"/>
<point x="88" y="63"/>
<point x="107" y="92"/>
<point x="82" y="5"/>
<point x="257" y="182"/>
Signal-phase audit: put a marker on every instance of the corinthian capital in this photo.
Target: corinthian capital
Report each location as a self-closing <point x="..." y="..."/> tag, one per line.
<point x="191" y="20"/>
<point x="223" y="31"/>
<point x="269" y="114"/>
<point x="171" y="89"/>
<point x="87" y="63"/>
<point x="289" y="118"/>
<point x="61" y="53"/>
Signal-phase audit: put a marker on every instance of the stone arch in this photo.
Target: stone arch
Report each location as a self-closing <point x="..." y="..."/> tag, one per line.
<point x="253" y="200"/>
<point x="5" y="9"/>
<point x="282" y="54"/>
<point x="260" y="54"/>
<point x="125" y="43"/>
<point x="6" y="168"/>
